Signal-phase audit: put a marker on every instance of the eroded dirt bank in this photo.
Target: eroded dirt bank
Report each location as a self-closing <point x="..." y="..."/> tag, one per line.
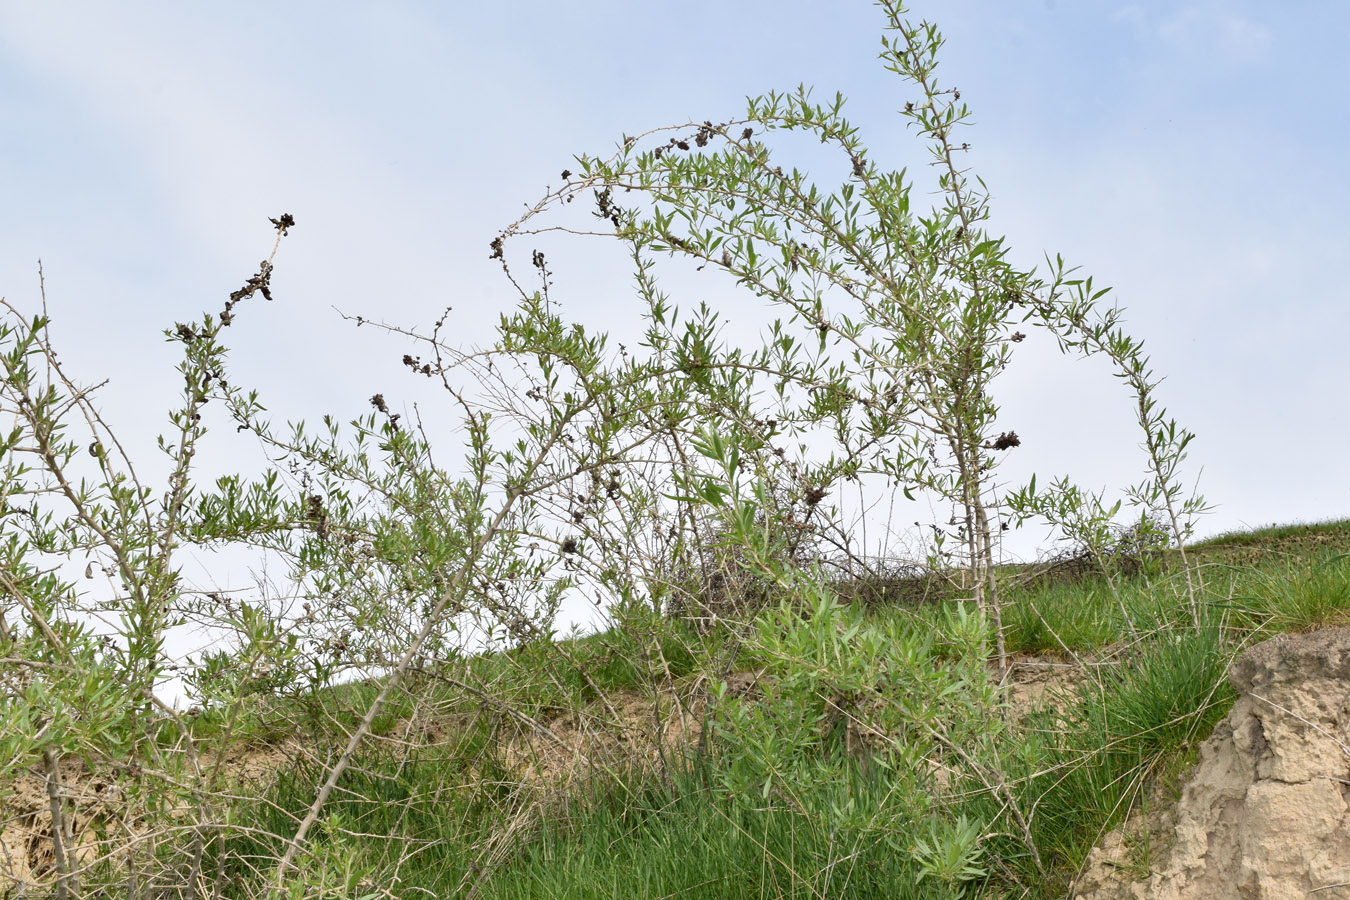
<point x="1265" y="814"/>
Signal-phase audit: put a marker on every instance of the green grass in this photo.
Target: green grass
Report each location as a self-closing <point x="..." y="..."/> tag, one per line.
<point x="1084" y="767"/>
<point x="1296" y="537"/>
<point x="639" y="836"/>
<point x="643" y="836"/>
<point x="685" y="840"/>
<point x="1046" y="617"/>
<point x="844" y="827"/>
<point x="1295" y="594"/>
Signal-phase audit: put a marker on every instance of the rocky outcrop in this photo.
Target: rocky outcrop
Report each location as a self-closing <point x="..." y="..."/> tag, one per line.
<point x="1265" y="815"/>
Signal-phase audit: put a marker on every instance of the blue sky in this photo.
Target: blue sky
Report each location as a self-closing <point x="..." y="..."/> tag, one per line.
<point x="1189" y="154"/>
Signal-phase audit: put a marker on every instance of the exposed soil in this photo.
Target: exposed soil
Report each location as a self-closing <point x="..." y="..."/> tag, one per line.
<point x="1265" y="814"/>
<point x="1039" y="680"/>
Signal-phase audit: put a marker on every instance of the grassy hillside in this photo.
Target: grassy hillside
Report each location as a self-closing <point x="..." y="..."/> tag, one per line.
<point x="555" y="786"/>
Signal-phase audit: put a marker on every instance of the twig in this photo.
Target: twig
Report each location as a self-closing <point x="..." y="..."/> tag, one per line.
<point x="66" y="882"/>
